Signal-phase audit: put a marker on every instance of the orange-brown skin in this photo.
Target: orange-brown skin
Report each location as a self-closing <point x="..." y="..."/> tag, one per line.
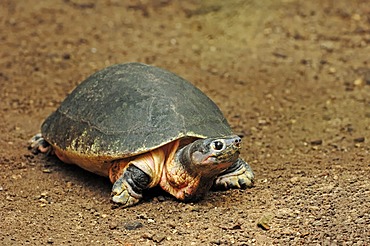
<point x="158" y="163"/>
<point x="151" y="163"/>
<point x="163" y="170"/>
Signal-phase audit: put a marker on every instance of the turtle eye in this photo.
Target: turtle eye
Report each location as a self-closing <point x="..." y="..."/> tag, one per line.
<point x="217" y="145"/>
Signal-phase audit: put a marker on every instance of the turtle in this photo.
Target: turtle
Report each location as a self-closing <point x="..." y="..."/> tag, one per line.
<point x="143" y="126"/>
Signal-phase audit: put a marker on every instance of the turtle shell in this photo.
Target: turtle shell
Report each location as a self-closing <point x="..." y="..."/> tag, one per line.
<point x="128" y="109"/>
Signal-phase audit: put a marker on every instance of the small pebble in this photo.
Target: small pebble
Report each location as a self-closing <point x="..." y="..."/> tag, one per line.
<point x="329" y="46"/>
<point x="294" y="179"/>
<point x="217" y="242"/>
<point x="113" y="225"/>
<point x="69" y="184"/>
<point x="359" y="140"/>
<point x="317" y="223"/>
<point x="46" y="170"/>
<point x="43" y="200"/>
<point x="262" y="122"/>
<point x="143" y="216"/>
<point x="332" y="70"/>
<point x="148" y="236"/>
<point x="159" y="237"/>
<point x="66" y="56"/>
<point x="161" y="198"/>
<point x="236" y="227"/>
<point x="360" y="221"/>
<point x="263" y="225"/>
<point x="316" y="142"/>
<point x="265" y="221"/>
<point x="44" y="194"/>
<point x="356" y="17"/>
<point x="132" y="225"/>
<point x="358" y="82"/>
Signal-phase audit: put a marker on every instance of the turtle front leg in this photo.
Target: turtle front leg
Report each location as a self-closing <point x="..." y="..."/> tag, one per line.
<point x="132" y="177"/>
<point x="238" y="176"/>
<point x="128" y="188"/>
<point x="37" y="144"/>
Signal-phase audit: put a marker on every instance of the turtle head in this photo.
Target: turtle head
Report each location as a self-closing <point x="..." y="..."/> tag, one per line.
<point x="211" y="155"/>
<point x="195" y="166"/>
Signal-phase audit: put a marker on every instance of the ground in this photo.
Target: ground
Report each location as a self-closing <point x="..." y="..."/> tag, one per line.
<point x="292" y="76"/>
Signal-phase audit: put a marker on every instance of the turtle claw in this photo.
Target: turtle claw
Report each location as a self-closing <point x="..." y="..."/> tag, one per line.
<point x="127" y="189"/>
<point x="37" y="144"/>
<point x="237" y="176"/>
<point x="124" y="198"/>
<point x="121" y="194"/>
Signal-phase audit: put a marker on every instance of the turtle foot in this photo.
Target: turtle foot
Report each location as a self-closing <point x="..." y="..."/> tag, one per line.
<point x="127" y="189"/>
<point x="123" y="197"/>
<point x="37" y="144"/>
<point x="237" y="176"/>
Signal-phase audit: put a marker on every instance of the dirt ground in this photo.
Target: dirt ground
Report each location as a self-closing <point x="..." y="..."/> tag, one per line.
<point x="292" y="76"/>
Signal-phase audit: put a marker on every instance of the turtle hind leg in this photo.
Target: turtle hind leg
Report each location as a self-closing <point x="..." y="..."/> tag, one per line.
<point x="37" y="144"/>
<point x="128" y="188"/>
<point x="238" y="176"/>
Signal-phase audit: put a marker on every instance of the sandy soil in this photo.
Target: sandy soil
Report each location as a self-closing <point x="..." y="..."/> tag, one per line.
<point x="292" y="76"/>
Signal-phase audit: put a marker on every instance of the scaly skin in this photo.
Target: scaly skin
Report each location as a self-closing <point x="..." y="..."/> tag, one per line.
<point x="188" y="178"/>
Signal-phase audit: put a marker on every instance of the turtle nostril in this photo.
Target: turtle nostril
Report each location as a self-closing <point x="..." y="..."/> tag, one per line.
<point x="237" y="142"/>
